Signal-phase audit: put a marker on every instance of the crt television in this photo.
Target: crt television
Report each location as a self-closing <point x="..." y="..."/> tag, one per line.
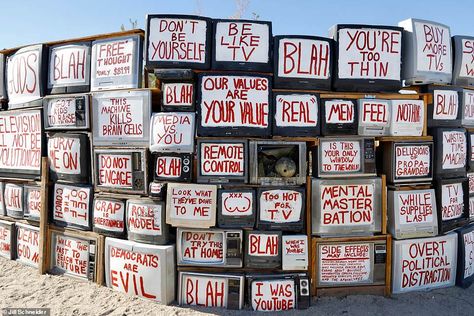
<point x="294" y="253"/>
<point x="470" y="151"/>
<point x="262" y="249"/>
<point x="444" y="106"/>
<point x="467" y="108"/>
<point x="71" y="206"/>
<point x="172" y="132"/>
<point x="3" y="81"/>
<point x="108" y="216"/>
<point x="145" y="220"/>
<point x="450" y="152"/>
<point x="465" y="268"/>
<point x="463" y="68"/>
<point x="2" y="199"/>
<point x="452" y="198"/>
<point x="27" y="244"/>
<point x="339" y="117"/>
<point x="236" y="207"/>
<point x="66" y="112"/>
<point x="374" y="117"/>
<point x="32" y="202"/>
<point x="408" y="118"/>
<point x="13" y="199"/>
<point x="172" y="167"/>
<point x="7" y="239"/>
<point x="177" y="96"/>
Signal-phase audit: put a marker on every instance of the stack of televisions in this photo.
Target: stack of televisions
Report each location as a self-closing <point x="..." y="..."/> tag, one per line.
<point x="239" y="180"/>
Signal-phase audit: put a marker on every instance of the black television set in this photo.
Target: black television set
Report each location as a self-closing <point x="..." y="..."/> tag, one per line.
<point x="450" y="152"/>
<point x="467" y="108"/>
<point x="339" y="117"/>
<point x="463" y="68"/>
<point x="470" y="151"/>
<point x="236" y="208"/>
<point x="3" y="82"/>
<point x="66" y="112"/>
<point x="109" y="216"/>
<point x="302" y="62"/>
<point x="70" y="206"/>
<point x="262" y="249"/>
<point x="444" y="106"/>
<point x="465" y="268"/>
<point x="172" y="167"/>
<point x="452" y="199"/>
<point x="177" y="96"/>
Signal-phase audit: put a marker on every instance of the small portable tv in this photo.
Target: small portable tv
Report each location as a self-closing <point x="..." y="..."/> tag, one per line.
<point x="408" y="118"/>
<point x="108" y="216"/>
<point x="339" y="117"/>
<point x="463" y="68"/>
<point x="153" y="272"/>
<point x="278" y="292"/>
<point x="467" y="108"/>
<point x="13" y="197"/>
<point x="243" y="45"/>
<point x="145" y="220"/>
<point x="69" y="68"/>
<point x="66" y="112"/>
<point x="344" y="156"/>
<point x="116" y="63"/>
<point x="122" y="170"/>
<point x="262" y="249"/>
<point x="452" y="199"/>
<point x="294" y="253"/>
<point x="69" y="157"/>
<point x="177" y="96"/>
<point x="374" y="117"/>
<point x="407" y="161"/>
<point x="450" y="152"/>
<point x="178" y="41"/>
<point x="236" y="208"/>
<point x="27" y="244"/>
<point x="281" y="208"/>
<point x="32" y="202"/>
<point x="225" y="290"/>
<point x="296" y="114"/>
<point x="273" y="162"/>
<point x="444" y="106"/>
<point x="71" y="205"/>
<point x="222" y="161"/>
<point x="346" y="207"/>
<point x="465" y="268"/>
<point x="470" y="151"/>
<point x="426" y="52"/>
<point x="209" y="248"/>
<point x="7" y="239"/>
<point x="368" y="58"/>
<point x="172" y="167"/>
<point x="157" y="190"/>
<point x="302" y="62"/>
<point x="412" y="213"/>
<point x="172" y="132"/>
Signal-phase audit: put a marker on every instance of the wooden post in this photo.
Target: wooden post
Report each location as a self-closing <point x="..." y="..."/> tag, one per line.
<point x="43" y="232"/>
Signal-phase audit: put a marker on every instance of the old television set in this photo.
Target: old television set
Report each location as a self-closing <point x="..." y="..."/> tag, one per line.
<point x="470" y="151"/>
<point x="227" y="289"/>
<point x="294" y="253"/>
<point x="116" y="63"/>
<point x="231" y="52"/>
<point x="296" y="114"/>
<point x="222" y="161"/>
<point x="409" y="256"/>
<point x="467" y="108"/>
<point x="74" y="255"/>
<point x="177" y="96"/>
<point x="273" y="162"/>
<point x="157" y="190"/>
<point x="444" y="106"/>
<point x="2" y="199"/>
<point x="236" y="207"/>
<point x="344" y="156"/>
<point x="3" y="86"/>
<point x="71" y="206"/>
<point x="66" y="112"/>
<point x="262" y="249"/>
<point x="463" y="68"/>
<point x="146" y="221"/>
<point x="26" y="72"/>
<point x="193" y="49"/>
<point x="452" y="199"/>
<point x="172" y="167"/>
<point x="154" y="278"/>
<point x="449" y="152"/>
<point x="281" y="208"/>
<point x="278" y="292"/>
<point x="465" y="268"/>
<point x="172" y="132"/>
<point x="426" y="52"/>
<point x="13" y="197"/>
<point x="346" y="207"/>
<point x="367" y="57"/>
<point x="408" y="118"/>
<point x="69" y="68"/>
<point x="407" y="161"/>
<point x="302" y="62"/>
<point x="27" y="244"/>
<point x="69" y="157"/>
<point x="374" y="117"/>
<point x="121" y="118"/>
<point x="339" y="117"/>
<point x="122" y="170"/>
<point x="412" y="213"/>
<point x="32" y="202"/>
<point x="108" y="216"/>
<point x="209" y="248"/>
<point x="7" y="239"/>
<point x="359" y="262"/>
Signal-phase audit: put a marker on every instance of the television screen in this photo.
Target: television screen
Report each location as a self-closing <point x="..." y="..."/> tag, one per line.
<point x="146" y="221"/>
<point x="294" y="252"/>
<point x="296" y="114"/>
<point x="116" y="63"/>
<point x="67" y="112"/>
<point x="32" y="202"/>
<point x="281" y="208"/>
<point x="121" y="118"/>
<point x="233" y="105"/>
<point x="2" y="199"/>
<point x="173" y="167"/>
<point x="426" y="52"/>
<point x="153" y="275"/>
<point x="3" y="81"/>
<point x="424" y="264"/>
<point x="69" y="68"/>
<point x="222" y="161"/>
<point x="71" y="206"/>
<point x="444" y="107"/>
<point x="191" y="205"/>
<point x="13" y="196"/>
<point x="242" y="45"/>
<point x="109" y="216"/>
<point x="463" y="70"/>
<point x="302" y="62"/>
<point x="467" y="106"/>
<point x="21" y="143"/>
<point x="27" y="244"/>
<point x="7" y="240"/>
<point x="262" y="249"/>
<point x="450" y="152"/>
<point x="236" y="208"/>
<point x="412" y="213"/>
<point x="178" y="41"/>
<point x="465" y="268"/>
<point x="452" y="200"/>
<point x="26" y="72"/>
<point x="374" y="117"/>
<point x="69" y="157"/>
<point x="172" y="131"/>
<point x="368" y="57"/>
<point x="408" y="118"/>
<point x="177" y="96"/>
<point x="346" y="207"/>
<point x="211" y="289"/>
<point x="339" y="117"/>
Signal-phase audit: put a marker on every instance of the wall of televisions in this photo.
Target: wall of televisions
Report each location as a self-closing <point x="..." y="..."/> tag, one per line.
<point x="208" y="162"/>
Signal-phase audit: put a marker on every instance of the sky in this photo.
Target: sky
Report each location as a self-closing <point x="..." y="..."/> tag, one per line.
<point x="36" y="21"/>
